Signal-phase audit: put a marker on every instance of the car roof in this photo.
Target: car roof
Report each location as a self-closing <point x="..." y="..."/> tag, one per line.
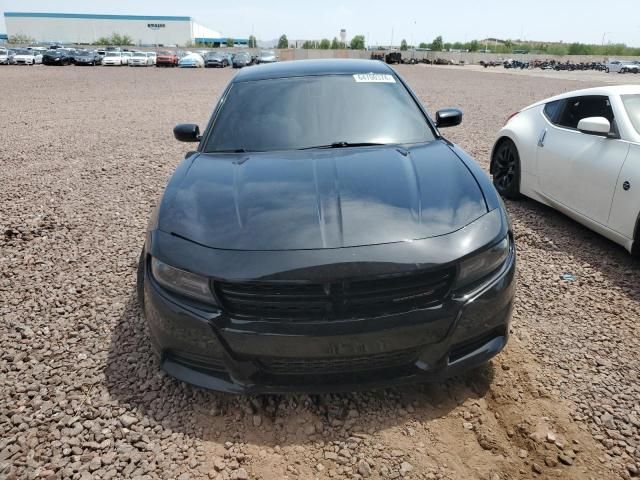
<point x="606" y="90"/>
<point x="303" y="68"/>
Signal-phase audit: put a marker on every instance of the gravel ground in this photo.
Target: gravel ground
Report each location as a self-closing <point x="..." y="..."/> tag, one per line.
<point x="86" y="153"/>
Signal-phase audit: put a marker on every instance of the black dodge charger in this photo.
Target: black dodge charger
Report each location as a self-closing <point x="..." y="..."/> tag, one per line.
<point x="325" y="236"/>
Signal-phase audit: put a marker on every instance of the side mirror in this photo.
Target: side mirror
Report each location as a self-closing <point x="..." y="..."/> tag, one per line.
<point x="448" y="117"/>
<point x="595" y="126"/>
<point x="187" y="132"/>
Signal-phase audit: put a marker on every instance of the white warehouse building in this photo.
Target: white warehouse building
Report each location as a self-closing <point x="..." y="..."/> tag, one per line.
<point x="84" y="28"/>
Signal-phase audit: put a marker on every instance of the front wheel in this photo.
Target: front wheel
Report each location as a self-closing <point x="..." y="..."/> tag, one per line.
<point x="506" y="169"/>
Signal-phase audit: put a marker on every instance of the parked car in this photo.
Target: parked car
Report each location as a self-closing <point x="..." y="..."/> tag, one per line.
<point x="192" y="60"/>
<point x="630" y="67"/>
<point x="393" y="57"/>
<point x="86" y="57"/>
<point x="166" y="59"/>
<point x="140" y="59"/>
<point x="26" y="57"/>
<point x="5" y="58"/>
<point x="112" y="57"/>
<point x="267" y="56"/>
<point x="216" y="59"/>
<point x="57" y="57"/>
<point x="288" y="258"/>
<point x="618" y="66"/>
<point x="126" y="56"/>
<point x="153" y="57"/>
<point x="242" y="59"/>
<point x="579" y="153"/>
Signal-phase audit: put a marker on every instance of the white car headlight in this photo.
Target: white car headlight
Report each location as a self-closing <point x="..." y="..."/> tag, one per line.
<point x="479" y="266"/>
<point x="181" y="281"/>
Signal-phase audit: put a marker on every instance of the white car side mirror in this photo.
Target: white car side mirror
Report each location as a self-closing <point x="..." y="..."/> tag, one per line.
<point x="595" y="126"/>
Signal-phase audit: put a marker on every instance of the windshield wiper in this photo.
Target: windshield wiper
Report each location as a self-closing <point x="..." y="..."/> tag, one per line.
<point x="343" y="145"/>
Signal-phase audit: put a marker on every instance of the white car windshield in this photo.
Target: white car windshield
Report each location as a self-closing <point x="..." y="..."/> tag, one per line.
<point x="632" y="105"/>
<point x="140" y="54"/>
<point x="113" y="54"/>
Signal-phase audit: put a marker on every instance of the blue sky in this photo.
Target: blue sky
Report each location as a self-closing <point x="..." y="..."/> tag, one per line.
<point x="550" y="20"/>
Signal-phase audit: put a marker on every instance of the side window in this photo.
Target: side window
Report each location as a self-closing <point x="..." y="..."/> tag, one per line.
<point x="551" y="110"/>
<point x="577" y="108"/>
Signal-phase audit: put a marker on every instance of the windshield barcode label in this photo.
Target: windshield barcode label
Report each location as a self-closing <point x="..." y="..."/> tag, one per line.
<point x="374" y="78"/>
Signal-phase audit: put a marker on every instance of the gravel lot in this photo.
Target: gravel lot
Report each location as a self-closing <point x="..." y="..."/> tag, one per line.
<point x="86" y="153"/>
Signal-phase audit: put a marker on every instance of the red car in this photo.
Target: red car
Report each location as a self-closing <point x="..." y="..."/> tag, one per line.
<point x="166" y="59"/>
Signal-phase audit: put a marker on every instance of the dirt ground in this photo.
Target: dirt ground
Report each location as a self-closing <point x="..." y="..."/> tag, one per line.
<point x="85" y="155"/>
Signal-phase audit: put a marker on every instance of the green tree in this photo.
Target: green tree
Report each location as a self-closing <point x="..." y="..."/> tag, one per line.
<point x="474" y="46"/>
<point x="357" y="42"/>
<point x="334" y="44"/>
<point x="283" y="42"/>
<point x="230" y="42"/>
<point x="114" y="39"/>
<point x="423" y="45"/>
<point x="308" y="44"/>
<point x="437" y="44"/>
<point x="325" y="44"/>
<point x="557" y="49"/>
<point x="252" y="42"/>
<point x="403" y="45"/>
<point x="20" y="39"/>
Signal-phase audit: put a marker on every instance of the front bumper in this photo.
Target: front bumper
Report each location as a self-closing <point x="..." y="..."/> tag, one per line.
<point x="208" y="347"/>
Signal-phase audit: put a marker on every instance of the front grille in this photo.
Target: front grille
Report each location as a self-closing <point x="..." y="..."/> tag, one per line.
<point x="195" y="361"/>
<point x="328" y="365"/>
<point x="338" y="300"/>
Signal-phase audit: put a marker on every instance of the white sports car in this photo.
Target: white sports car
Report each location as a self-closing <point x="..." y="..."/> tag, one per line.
<point x="112" y="58"/>
<point x="27" y="57"/>
<point x="139" y="59"/>
<point x="579" y="153"/>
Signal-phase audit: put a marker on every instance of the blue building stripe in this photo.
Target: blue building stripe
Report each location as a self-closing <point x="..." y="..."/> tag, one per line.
<point x="91" y="16"/>
<point x="219" y="40"/>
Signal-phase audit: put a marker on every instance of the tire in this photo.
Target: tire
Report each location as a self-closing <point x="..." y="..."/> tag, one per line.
<point x="505" y="169"/>
<point x="606" y="70"/>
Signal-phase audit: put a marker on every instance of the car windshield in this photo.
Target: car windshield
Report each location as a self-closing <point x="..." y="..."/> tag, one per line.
<point x="317" y="111"/>
<point x="23" y="52"/>
<point x="267" y="53"/>
<point x="632" y="105"/>
<point x="214" y="55"/>
<point x="140" y="54"/>
<point x="113" y="54"/>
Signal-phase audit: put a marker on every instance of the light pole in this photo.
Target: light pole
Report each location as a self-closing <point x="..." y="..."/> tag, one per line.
<point x="604" y="35"/>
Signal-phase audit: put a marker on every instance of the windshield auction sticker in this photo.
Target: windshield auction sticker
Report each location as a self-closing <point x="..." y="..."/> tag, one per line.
<point x="374" y="78"/>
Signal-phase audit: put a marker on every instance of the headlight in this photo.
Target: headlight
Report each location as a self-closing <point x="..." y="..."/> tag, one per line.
<point x="484" y="263"/>
<point x="180" y="281"/>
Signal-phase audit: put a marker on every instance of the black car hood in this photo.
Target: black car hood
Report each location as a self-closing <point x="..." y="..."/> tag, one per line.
<point x="318" y="199"/>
